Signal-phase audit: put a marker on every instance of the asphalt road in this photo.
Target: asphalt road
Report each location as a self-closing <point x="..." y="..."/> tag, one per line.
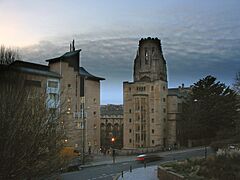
<point x="111" y="170"/>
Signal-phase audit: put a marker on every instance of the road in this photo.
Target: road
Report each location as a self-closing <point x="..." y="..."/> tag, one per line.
<point x="109" y="171"/>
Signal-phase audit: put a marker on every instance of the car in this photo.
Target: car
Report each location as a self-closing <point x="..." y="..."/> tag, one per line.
<point x="148" y="158"/>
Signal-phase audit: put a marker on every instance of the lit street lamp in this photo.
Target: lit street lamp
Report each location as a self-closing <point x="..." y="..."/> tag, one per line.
<point x="205" y="146"/>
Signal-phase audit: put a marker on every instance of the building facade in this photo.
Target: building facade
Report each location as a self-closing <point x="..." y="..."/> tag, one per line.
<point x="111" y="126"/>
<point x="74" y="91"/>
<point x="150" y="112"/>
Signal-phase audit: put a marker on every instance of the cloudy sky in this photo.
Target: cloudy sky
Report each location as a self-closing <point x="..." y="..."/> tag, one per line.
<point x="198" y="37"/>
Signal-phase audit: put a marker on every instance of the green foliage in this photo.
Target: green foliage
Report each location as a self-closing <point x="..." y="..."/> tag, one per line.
<point x="218" y="167"/>
<point x="221" y="168"/>
<point x="210" y="111"/>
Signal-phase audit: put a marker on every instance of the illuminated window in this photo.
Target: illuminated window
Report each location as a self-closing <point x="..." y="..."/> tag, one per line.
<point x="53" y="84"/>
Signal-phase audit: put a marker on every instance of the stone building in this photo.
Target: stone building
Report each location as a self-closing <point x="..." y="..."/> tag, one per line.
<point x="72" y="89"/>
<point x="150" y="111"/>
<point x="111" y="126"/>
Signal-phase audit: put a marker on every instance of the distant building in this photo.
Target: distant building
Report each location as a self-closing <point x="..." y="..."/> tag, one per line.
<point x="75" y="90"/>
<point x="111" y="126"/>
<point x="150" y="108"/>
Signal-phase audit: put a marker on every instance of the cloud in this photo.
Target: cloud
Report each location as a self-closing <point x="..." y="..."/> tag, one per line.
<point x="197" y="40"/>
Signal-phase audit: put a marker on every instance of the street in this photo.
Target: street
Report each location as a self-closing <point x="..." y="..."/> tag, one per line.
<point x="109" y="171"/>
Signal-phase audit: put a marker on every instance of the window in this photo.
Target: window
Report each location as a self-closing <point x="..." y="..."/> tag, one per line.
<point x="152" y="110"/>
<point x="130" y="111"/>
<point x="130" y="130"/>
<point x="164" y="88"/>
<point x="164" y="99"/>
<point x="164" y="119"/>
<point x="164" y="110"/>
<point x="146" y="56"/>
<point x="94" y="112"/>
<point x="152" y="120"/>
<point x="129" y="89"/>
<point x="152" y="131"/>
<point x="69" y="85"/>
<point x="153" y="49"/>
<point x="32" y="83"/>
<point x="130" y="120"/>
<point x="130" y="140"/>
<point x="152" y="88"/>
<point x="69" y="100"/>
<point x="53" y="96"/>
<point x="53" y="84"/>
<point x="94" y="100"/>
<point x="152" y="141"/>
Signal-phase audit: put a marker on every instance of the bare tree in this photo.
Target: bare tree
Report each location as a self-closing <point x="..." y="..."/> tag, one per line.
<point x="8" y="55"/>
<point x="31" y="135"/>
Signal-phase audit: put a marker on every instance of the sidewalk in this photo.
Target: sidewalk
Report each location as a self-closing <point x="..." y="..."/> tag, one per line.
<point x="148" y="173"/>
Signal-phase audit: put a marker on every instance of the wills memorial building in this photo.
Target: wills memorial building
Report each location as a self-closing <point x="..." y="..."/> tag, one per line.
<point x="150" y="108"/>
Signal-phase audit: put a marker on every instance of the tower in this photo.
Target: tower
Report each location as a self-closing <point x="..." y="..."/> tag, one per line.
<point x="145" y="99"/>
<point x="149" y="64"/>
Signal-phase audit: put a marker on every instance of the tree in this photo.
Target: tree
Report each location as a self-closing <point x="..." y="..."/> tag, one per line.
<point x="236" y="85"/>
<point x="210" y="111"/>
<point x="30" y="134"/>
<point x="8" y="55"/>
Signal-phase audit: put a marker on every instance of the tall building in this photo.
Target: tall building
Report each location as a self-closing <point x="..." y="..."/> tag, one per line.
<point x="151" y="110"/>
<point x="145" y="99"/>
<point x="74" y="90"/>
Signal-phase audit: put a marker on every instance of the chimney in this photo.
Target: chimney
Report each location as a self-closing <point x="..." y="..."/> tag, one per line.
<point x="73" y="46"/>
<point x="70" y="47"/>
<point x="182" y="85"/>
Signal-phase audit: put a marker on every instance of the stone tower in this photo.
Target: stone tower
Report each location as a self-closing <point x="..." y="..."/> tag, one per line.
<point x="145" y="99"/>
<point x="149" y="64"/>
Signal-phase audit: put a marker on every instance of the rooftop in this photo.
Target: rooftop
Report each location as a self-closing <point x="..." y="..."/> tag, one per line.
<point x="33" y="68"/>
<point x="87" y="75"/>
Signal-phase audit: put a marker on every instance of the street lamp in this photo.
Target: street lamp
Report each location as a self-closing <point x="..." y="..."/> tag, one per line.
<point x="113" y="150"/>
<point x="205" y="146"/>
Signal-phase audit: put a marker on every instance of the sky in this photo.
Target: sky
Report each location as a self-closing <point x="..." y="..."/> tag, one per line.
<point x="199" y="38"/>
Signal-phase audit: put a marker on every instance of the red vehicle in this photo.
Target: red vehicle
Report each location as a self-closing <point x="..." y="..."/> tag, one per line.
<point x="148" y="158"/>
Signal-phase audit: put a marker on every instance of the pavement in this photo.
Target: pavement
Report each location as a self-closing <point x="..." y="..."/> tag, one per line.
<point x="148" y="173"/>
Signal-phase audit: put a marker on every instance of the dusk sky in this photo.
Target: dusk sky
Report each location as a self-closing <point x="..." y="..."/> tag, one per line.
<point x="199" y="38"/>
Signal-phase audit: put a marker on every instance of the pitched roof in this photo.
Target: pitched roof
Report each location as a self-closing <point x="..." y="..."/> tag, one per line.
<point x="33" y="68"/>
<point x="87" y="75"/>
<point x="66" y="55"/>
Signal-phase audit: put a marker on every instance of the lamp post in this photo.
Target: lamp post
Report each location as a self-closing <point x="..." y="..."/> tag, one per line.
<point x="113" y="151"/>
<point x="205" y="146"/>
